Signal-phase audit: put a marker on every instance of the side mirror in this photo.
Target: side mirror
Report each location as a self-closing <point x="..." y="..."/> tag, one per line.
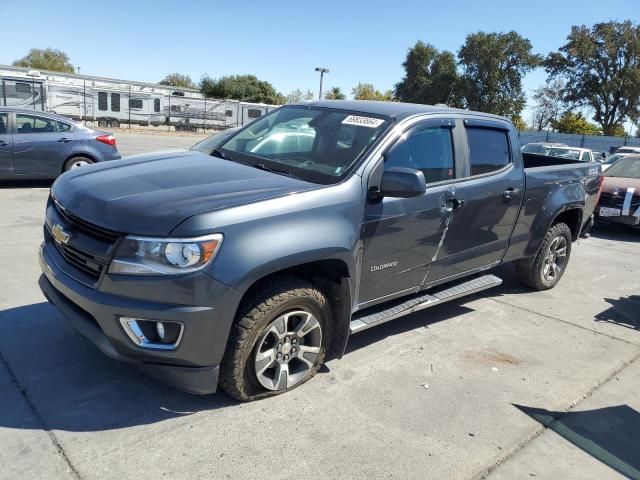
<point x="402" y="182"/>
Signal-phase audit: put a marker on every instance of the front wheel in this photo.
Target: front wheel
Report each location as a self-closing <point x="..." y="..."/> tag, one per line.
<point x="279" y="342"/>
<point x="550" y="262"/>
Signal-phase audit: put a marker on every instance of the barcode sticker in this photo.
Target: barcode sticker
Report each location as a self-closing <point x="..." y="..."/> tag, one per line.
<point x="359" y="121"/>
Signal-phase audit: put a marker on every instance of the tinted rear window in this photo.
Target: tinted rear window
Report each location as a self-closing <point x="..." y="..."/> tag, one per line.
<point x="488" y="150"/>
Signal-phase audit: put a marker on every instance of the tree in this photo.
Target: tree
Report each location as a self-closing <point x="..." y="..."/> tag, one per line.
<point x="618" y="131"/>
<point x="601" y="68"/>
<point x="430" y="76"/>
<point x="366" y="91"/>
<point x="493" y="65"/>
<point x="178" y="80"/>
<point x="570" y="122"/>
<point x="246" y="88"/>
<point x="47" y="59"/>
<point x="549" y="104"/>
<point x="298" y="96"/>
<point x="335" y="93"/>
<point x="519" y="123"/>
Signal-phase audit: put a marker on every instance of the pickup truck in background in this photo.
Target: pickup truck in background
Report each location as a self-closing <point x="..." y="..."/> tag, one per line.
<point x="247" y="267"/>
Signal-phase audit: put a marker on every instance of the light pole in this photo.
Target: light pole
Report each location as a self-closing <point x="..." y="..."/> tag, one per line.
<point x="322" y="71"/>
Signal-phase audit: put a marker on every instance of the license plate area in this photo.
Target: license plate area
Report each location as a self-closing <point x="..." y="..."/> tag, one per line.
<point x="609" y="212"/>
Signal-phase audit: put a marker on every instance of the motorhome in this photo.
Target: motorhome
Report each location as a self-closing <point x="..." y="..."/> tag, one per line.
<point x="110" y="102"/>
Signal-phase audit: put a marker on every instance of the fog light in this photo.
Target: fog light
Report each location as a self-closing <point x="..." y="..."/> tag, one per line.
<point x="153" y="334"/>
<point x="160" y="330"/>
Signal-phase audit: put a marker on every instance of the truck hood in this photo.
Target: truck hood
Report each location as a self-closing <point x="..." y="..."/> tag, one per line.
<point x="151" y="194"/>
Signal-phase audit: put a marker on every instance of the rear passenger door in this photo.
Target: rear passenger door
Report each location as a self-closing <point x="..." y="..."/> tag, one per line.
<point x="492" y="191"/>
<point x="6" y="146"/>
<point x="41" y="145"/>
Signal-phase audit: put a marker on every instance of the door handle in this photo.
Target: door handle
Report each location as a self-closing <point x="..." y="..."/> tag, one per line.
<point x="3" y="143"/>
<point x="453" y="204"/>
<point x="64" y="140"/>
<point x="510" y="193"/>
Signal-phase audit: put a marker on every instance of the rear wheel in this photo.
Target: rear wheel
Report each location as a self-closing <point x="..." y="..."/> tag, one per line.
<point x="103" y="123"/>
<point x="551" y="262"/>
<point x="76" y="162"/>
<point x="114" y="123"/>
<point x="279" y="342"/>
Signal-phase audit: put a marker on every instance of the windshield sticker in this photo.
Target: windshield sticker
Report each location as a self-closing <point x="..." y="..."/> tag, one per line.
<point x="359" y="121"/>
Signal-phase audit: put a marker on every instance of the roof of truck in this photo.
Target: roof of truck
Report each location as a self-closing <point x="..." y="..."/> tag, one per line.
<point x="396" y="110"/>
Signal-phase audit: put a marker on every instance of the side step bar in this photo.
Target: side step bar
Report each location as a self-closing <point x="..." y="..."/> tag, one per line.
<point x="389" y="311"/>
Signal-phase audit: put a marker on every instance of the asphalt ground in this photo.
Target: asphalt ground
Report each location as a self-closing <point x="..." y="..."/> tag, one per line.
<point x="506" y="384"/>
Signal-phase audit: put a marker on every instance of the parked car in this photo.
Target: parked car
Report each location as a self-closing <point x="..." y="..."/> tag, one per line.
<point x="571" y="153"/>
<point x="44" y="145"/>
<point x="207" y="145"/>
<point x="540" y="147"/>
<point x="600" y="155"/>
<point x="620" y="198"/>
<point x="628" y="150"/>
<point x="247" y="268"/>
<point x="612" y="160"/>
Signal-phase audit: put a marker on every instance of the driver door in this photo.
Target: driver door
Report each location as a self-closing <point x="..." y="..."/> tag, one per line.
<point x="402" y="237"/>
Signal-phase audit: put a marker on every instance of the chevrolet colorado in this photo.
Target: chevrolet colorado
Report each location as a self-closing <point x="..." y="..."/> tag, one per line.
<point x="245" y="268"/>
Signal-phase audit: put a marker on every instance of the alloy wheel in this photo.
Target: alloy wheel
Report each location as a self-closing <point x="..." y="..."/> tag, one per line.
<point x="288" y="350"/>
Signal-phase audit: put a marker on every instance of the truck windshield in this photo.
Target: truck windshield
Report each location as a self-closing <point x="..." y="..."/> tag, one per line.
<point x="315" y="144"/>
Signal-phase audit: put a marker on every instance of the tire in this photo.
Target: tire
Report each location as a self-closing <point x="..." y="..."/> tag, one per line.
<point x="285" y="323"/>
<point x="114" y="123"/>
<point x="76" y="162"/>
<point x="551" y="261"/>
<point x="103" y="123"/>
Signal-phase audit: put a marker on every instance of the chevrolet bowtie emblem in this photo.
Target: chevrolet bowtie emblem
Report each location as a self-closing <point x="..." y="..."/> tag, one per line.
<point x="59" y="235"/>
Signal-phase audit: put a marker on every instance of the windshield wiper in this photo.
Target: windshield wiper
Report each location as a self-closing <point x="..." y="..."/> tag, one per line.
<point x="220" y="154"/>
<point x="262" y="166"/>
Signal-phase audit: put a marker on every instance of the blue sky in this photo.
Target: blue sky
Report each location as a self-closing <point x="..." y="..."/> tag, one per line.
<point x="280" y="41"/>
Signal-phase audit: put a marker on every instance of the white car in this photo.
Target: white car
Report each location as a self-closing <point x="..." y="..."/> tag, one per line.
<point x="628" y="150"/>
<point x="572" y="153"/>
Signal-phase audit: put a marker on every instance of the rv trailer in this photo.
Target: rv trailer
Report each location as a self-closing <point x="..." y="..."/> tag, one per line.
<point x="110" y="102"/>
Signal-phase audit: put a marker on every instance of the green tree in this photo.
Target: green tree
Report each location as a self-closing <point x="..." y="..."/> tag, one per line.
<point x="366" y="91"/>
<point x="571" y="122"/>
<point x="178" y="80"/>
<point x="47" y="59"/>
<point x="493" y="65"/>
<point x="430" y="76"/>
<point x="335" y="93"/>
<point x="549" y="104"/>
<point x="601" y="68"/>
<point x="618" y="131"/>
<point x="299" y="96"/>
<point x="246" y="88"/>
<point x="519" y="123"/>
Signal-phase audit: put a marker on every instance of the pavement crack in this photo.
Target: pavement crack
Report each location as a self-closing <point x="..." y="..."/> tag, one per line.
<point x="550" y="317"/>
<point x="540" y="429"/>
<point x="36" y="413"/>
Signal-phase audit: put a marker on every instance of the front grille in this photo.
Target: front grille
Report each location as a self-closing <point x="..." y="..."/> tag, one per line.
<point x="89" y="248"/>
<point x="617" y="201"/>
<point x="82" y="261"/>
<point x="89" y="228"/>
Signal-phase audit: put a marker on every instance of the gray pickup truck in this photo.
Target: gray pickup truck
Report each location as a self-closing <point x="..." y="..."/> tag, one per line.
<point x="246" y="268"/>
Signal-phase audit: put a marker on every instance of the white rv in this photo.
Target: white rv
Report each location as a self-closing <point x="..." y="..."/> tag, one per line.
<point x="111" y="102"/>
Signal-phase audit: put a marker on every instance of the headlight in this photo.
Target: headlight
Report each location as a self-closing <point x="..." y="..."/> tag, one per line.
<point x="164" y="256"/>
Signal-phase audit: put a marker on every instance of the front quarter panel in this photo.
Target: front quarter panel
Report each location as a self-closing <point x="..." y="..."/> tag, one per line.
<point x="270" y="236"/>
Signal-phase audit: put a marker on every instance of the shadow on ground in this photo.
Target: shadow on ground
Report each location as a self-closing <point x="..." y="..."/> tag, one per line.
<point x="620" y="233"/>
<point x="75" y="387"/>
<point x="8" y="184"/>
<point x="624" y="312"/>
<point x="608" y="434"/>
